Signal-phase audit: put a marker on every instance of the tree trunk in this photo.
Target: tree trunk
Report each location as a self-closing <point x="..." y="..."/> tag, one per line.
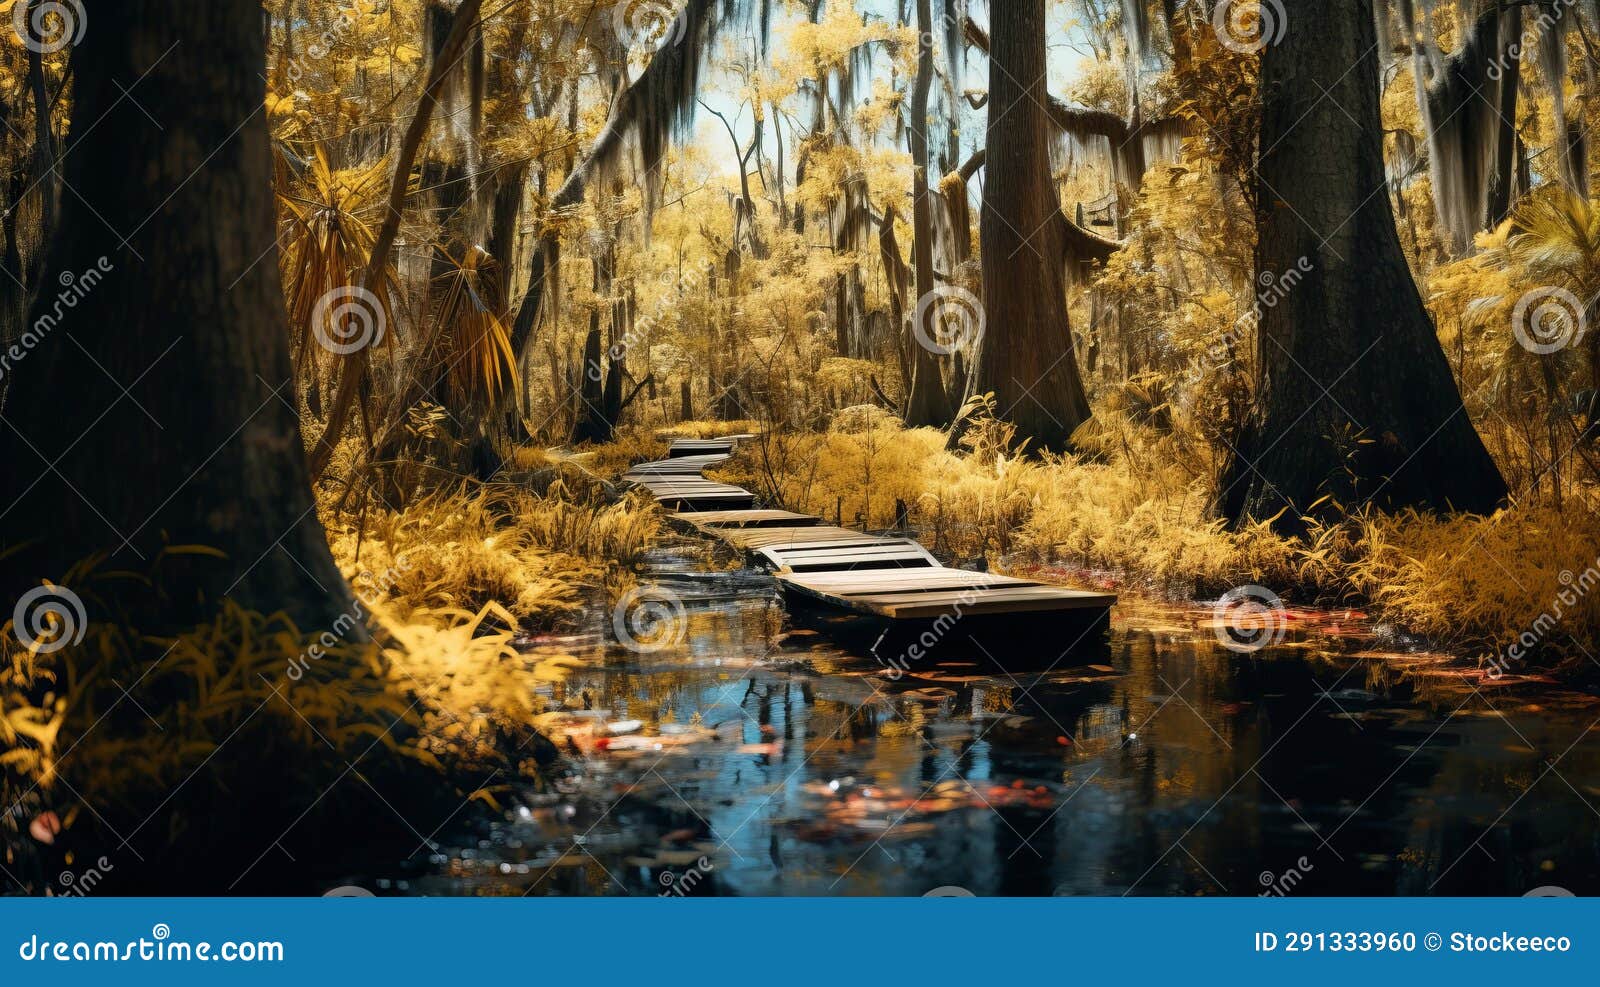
<point x="44" y="149"/>
<point x="1355" y="398"/>
<point x="1502" y="177"/>
<point x="203" y="448"/>
<point x="926" y="401"/>
<point x="509" y="184"/>
<point x="591" y="424"/>
<point x="1026" y="356"/>
<point x="13" y="279"/>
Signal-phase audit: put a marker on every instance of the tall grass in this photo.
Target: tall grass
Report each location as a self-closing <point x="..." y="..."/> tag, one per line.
<point x="1137" y="512"/>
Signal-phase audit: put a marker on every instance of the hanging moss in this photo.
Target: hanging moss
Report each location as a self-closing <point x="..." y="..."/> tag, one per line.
<point x="1460" y="106"/>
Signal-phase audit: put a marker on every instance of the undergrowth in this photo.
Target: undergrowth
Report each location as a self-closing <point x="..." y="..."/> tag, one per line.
<point x="416" y="698"/>
<point x="1135" y="505"/>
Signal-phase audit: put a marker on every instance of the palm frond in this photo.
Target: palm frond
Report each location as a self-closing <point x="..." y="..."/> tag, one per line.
<point x="328" y="236"/>
<point x="474" y="338"/>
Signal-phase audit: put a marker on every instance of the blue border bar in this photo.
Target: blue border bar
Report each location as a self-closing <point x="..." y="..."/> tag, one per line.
<point x="861" y="940"/>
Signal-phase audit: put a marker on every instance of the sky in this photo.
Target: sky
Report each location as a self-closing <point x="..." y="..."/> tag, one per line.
<point x="1065" y="43"/>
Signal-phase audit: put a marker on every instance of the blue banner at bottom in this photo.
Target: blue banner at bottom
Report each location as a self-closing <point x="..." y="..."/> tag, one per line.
<point x="924" y="941"/>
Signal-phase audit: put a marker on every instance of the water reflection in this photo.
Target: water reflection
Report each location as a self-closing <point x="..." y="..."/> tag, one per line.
<point x="767" y="761"/>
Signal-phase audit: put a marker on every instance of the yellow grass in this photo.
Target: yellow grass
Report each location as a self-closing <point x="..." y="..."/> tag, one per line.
<point x="442" y="584"/>
<point x="1473" y="583"/>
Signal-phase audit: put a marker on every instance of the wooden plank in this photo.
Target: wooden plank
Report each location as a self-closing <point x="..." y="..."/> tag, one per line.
<point x="698" y="447"/>
<point x="669" y="477"/>
<point x="686" y="441"/>
<point x="810" y="553"/>
<point x="677" y="454"/>
<point x="682" y="483"/>
<point x="1032" y="599"/>
<point x="881" y="564"/>
<point x="894" y="597"/>
<point x="659" y="470"/>
<point x="685" y="502"/>
<point x="683" y="464"/>
<point x="845" y="557"/>
<point x="759" y="538"/>
<point x="845" y="584"/>
<point x="746" y="519"/>
<point x="663" y="493"/>
<point x="685" y="486"/>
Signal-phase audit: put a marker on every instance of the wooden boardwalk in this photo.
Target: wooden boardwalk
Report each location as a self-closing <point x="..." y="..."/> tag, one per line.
<point x="816" y="564"/>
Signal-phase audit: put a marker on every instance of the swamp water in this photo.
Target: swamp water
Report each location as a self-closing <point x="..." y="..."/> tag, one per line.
<point x="752" y="758"/>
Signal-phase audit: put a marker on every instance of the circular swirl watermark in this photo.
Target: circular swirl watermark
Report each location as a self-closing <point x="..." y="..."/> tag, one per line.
<point x="348" y="319"/>
<point x="1249" y="618"/>
<point x="651" y="24"/>
<point x="161" y="931"/>
<point x="1247" y="27"/>
<point x="1548" y="320"/>
<point x="48" y="618"/>
<point x="1550" y="891"/>
<point x="948" y="319"/>
<point x="50" y="26"/>
<point x="348" y="891"/>
<point x="949" y="891"/>
<point x="649" y="618"/>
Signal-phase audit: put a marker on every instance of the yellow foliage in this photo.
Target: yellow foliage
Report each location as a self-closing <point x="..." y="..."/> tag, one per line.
<point x="443" y="585"/>
<point x="534" y="557"/>
<point x="1460" y="580"/>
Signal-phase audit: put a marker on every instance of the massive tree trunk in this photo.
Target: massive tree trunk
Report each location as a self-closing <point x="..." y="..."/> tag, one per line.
<point x="927" y="404"/>
<point x="1026" y="356"/>
<point x="1355" y="399"/>
<point x="159" y="409"/>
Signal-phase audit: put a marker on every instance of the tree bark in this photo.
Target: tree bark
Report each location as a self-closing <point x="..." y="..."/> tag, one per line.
<point x="927" y="404"/>
<point x="204" y="446"/>
<point x="1355" y="399"/>
<point x="44" y="151"/>
<point x="1026" y="357"/>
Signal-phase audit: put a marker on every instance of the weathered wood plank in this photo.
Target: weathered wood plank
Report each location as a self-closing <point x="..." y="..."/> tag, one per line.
<point x="693" y="466"/>
<point x="695" y="487"/>
<point x="915" y="606"/>
<point x="696" y="447"/>
<point x="844" y="560"/>
<point x="866" y="583"/>
<point x="758" y="538"/>
<point x="811" y="558"/>
<point x="890" y="598"/>
<point x="746" y="519"/>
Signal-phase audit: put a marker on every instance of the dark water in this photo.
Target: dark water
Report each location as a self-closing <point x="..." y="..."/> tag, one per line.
<point x="767" y="762"/>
